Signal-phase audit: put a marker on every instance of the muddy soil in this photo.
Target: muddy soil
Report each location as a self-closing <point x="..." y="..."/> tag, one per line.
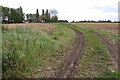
<point x="71" y="58"/>
<point x="70" y="61"/>
<point x="67" y="64"/>
<point x="113" y="49"/>
<point x="68" y="67"/>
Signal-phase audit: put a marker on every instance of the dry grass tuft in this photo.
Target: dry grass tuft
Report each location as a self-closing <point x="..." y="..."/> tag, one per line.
<point x="37" y="26"/>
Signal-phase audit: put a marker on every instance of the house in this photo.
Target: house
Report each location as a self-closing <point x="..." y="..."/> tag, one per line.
<point x="39" y="20"/>
<point x="26" y="21"/>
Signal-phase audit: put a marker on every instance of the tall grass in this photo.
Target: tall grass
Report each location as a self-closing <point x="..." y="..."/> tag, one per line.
<point x="26" y="50"/>
<point x="37" y="26"/>
<point x="22" y="49"/>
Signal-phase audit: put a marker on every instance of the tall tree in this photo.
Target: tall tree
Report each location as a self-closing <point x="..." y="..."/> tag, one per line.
<point x="45" y="15"/>
<point x="30" y="16"/>
<point x="37" y="14"/>
<point x="53" y="12"/>
<point x="46" y="12"/>
<point x="27" y="16"/>
<point x="43" y="12"/>
<point x="5" y="14"/>
<point x="12" y="15"/>
<point x="48" y="17"/>
<point x="21" y="14"/>
<point x="54" y="15"/>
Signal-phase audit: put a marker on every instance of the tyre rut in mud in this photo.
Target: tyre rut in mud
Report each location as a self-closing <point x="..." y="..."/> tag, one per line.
<point x="112" y="49"/>
<point x="72" y="57"/>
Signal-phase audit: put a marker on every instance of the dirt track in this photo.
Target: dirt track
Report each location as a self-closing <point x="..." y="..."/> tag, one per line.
<point x="72" y="57"/>
<point x="113" y="49"/>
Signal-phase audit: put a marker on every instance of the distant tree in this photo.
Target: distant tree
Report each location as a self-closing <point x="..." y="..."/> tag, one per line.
<point x="43" y="12"/>
<point x="30" y="17"/>
<point x="5" y="14"/>
<point x="46" y="13"/>
<point x="37" y="13"/>
<point x="19" y="17"/>
<point x="21" y="14"/>
<point x="53" y="12"/>
<point x="13" y="16"/>
<point x="54" y="19"/>
<point x="27" y="16"/>
<point x="49" y="17"/>
<point x="43" y="17"/>
<point x="73" y="21"/>
<point x="62" y="21"/>
<point x="109" y="21"/>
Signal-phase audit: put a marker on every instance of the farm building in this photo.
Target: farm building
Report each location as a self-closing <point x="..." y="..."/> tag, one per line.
<point x="26" y="21"/>
<point x="39" y="20"/>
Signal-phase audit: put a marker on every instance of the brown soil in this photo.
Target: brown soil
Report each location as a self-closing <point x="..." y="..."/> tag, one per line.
<point x="109" y="27"/>
<point x="68" y="67"/>
<point x="71" y="58"/>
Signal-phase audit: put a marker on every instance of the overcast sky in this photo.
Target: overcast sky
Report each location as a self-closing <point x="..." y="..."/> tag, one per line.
<point x="70" y="9"/>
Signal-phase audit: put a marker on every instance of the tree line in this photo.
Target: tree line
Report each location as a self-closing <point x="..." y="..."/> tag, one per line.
<point x="12" y="15"/>
<point x="100" y="21"/>
<point x="48" y="16"/>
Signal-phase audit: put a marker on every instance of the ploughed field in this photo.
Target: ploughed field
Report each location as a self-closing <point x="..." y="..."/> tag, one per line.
<point x="109" y="27"/>
<point x="60" y="50"/>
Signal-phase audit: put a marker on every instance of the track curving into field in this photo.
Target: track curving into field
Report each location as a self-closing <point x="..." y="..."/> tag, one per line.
<point x="112" y="48"/>
<point x="72" y="57"/>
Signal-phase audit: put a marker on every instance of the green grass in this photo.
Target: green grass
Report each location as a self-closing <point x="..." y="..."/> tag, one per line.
<point x="26" y="51"/>
<point x="108" y="74"/>
<point x="96" y="57"/>
<point x="0" y="52"/>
